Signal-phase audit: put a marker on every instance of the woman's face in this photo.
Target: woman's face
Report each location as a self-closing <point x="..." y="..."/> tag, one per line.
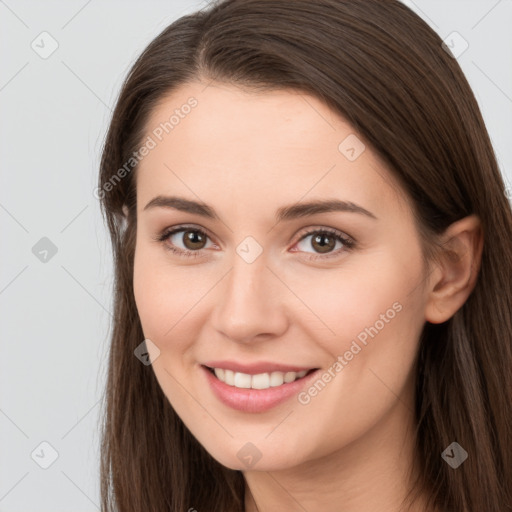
<point x="264" y="286"/>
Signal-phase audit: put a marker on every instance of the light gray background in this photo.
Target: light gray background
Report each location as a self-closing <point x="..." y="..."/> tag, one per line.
<point x="56" y="314"/>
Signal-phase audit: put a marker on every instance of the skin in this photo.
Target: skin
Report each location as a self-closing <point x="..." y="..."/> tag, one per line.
<point x="247" y="154"/>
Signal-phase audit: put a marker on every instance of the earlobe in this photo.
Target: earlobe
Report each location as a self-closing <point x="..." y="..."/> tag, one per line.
<point x="456" y="269"/>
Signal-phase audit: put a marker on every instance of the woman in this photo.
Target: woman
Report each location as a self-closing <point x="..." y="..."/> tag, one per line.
<point x="313" y="264"/>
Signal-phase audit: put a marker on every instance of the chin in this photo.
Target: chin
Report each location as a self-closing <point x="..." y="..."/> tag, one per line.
<point x="248" y="456"/>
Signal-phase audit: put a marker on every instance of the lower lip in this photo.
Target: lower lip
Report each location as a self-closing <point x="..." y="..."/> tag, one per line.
<point x="255" y="400"/>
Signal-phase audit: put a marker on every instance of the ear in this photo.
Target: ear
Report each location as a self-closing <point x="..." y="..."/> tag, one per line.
<point x="125" y="210"/>
<point x="455" y="271"/>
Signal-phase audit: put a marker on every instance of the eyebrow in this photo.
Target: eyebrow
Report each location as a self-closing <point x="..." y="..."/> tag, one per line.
<point x="284" y="213"/>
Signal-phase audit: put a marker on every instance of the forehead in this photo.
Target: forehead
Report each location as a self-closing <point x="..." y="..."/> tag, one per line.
<point x="223" y="142"/>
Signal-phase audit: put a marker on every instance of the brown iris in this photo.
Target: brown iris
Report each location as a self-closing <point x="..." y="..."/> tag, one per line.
<point x="194" y="239"/>
<point x="323" y="246"/>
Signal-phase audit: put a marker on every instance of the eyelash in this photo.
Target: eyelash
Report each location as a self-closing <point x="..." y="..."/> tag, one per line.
<point x="348" y="243"/>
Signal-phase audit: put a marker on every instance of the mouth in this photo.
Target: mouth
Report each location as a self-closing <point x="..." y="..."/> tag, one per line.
<point x="258" y="391"/>
<point x="260" y="381"/>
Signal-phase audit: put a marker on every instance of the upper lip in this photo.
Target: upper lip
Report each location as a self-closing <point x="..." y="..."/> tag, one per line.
<point x="256" y="368"/>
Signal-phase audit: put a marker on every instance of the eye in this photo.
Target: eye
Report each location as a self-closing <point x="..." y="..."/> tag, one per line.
<point x="183" y="240"/>
<point x="327" y="243"/>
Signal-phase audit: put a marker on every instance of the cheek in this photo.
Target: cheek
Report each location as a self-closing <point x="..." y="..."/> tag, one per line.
<point x="168" y="300"/>
<point x="361" y="299"/>
<point x="377" y="328"/>
<point x="156" y="295"/>
<point x="378" y="318"/>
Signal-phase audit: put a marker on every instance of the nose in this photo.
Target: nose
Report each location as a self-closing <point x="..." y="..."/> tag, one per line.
<point x="250" y="303"/>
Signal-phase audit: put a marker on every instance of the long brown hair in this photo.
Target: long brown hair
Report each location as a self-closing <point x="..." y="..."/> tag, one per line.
<point x="384" y="70"/>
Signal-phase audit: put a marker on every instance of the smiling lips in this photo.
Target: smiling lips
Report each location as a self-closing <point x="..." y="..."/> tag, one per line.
<point x="258" y="381"/>
<point x="256" y="387"/>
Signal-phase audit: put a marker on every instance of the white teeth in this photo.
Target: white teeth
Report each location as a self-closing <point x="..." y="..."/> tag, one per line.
<point x="276" y="379"/>
<point x="242" y="380"/>
<point x="229" y="377"/>
<point x="259" y="381"/>
<point x="289" y="376"/>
